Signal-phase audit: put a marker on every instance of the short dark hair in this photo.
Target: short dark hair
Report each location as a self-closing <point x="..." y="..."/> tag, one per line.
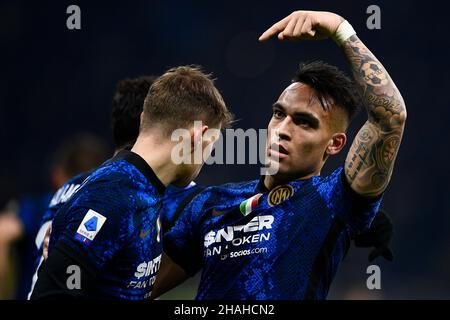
<point x="182" y="95"/>
<point x="127" y="105"/>
<point x="332" y="86"/>
<point x="79" y="153"/>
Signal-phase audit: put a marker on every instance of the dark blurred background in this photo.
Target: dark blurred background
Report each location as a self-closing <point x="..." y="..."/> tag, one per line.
<point x="56" y="82"/>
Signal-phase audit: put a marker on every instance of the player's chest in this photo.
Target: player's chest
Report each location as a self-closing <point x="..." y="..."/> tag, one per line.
<point x="264" y="224"/>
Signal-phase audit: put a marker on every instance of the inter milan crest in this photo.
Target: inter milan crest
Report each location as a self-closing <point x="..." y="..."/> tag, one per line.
<point x="280" y="194"/>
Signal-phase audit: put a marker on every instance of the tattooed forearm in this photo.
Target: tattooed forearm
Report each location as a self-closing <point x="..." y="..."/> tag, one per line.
<point x="381" y="97"/>
<point x="371" y="158"/>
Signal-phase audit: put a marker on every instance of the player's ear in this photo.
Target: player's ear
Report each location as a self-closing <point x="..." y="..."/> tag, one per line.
<point x="141" y="119"/>
<point x="210" y="136"/>
<point x="204" y="129"/>
<point x="336" y="143"/>
<point x="197" y="133"/>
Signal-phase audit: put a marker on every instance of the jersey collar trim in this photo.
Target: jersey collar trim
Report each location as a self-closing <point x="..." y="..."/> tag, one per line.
<point x="137" y="161"/>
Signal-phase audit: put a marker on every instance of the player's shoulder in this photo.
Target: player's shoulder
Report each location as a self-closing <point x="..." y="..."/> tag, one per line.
<point x="175" y="192"/>
<point x="116" y="175"/>
<point x="334" y="177"/>
<point x="334" y="187"/>
<point x="118" y="186"/>
<point x="231" y="188"/>
<point x="128" y="171"/>
<point x="105" y="189"/>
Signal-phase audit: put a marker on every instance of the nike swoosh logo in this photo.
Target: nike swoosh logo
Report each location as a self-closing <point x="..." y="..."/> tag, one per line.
<point x="217" y="213"/>
<point x="143" y="234"/>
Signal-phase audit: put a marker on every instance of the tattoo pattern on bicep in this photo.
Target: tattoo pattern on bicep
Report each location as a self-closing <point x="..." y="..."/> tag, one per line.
<point x="370" y="161"/>
<point x="371" y="158"/>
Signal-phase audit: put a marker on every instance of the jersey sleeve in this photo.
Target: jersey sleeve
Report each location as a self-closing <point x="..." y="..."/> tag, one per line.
<point x="182" y="243"/>
<point x="90" y="229"/>
<point x="355" y="211"/>
<point x="95" y="225"/>
<point x="45" y="223"/>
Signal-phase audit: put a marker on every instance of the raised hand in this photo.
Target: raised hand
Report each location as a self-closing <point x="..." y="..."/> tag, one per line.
<point x="304" y="25"/>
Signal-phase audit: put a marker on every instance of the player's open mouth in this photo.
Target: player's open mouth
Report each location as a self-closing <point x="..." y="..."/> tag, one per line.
<point x="277" y="151"/>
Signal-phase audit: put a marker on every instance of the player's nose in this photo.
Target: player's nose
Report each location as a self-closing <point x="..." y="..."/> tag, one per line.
<point x="283" y="129"/>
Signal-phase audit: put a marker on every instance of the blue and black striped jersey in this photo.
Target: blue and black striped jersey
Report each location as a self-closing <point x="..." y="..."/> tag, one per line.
<point x="285" y="243"/>
<point x="110" y="227"/>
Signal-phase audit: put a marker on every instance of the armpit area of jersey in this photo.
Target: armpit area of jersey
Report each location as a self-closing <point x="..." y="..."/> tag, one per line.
<point x="65" y="275"/>
<point x="189" y="261"/>
<point x="361" y="210"/>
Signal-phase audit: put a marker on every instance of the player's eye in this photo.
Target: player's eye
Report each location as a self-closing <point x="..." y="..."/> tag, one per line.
<point x="306" y="122"/>
<point x="277" y="114"/>
<point x="303" y="123"/>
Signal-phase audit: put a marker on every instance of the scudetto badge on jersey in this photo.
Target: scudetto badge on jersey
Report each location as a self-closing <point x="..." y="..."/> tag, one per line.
<point x="90" y="226"/>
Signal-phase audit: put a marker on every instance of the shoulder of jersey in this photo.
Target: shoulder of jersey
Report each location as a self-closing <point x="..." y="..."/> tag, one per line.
<point x="336" y="174"/>
<point x="232" y="187"/>
<point x="114" y="171"/>
<point x="225" y="192"/>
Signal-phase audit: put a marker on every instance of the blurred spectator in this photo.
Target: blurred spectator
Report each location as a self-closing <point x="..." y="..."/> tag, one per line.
<point x="20" y="220"/>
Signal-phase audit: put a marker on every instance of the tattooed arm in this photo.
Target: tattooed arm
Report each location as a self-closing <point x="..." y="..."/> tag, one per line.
<point x="369" y="164"/>
<point x="370" y="161"/>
